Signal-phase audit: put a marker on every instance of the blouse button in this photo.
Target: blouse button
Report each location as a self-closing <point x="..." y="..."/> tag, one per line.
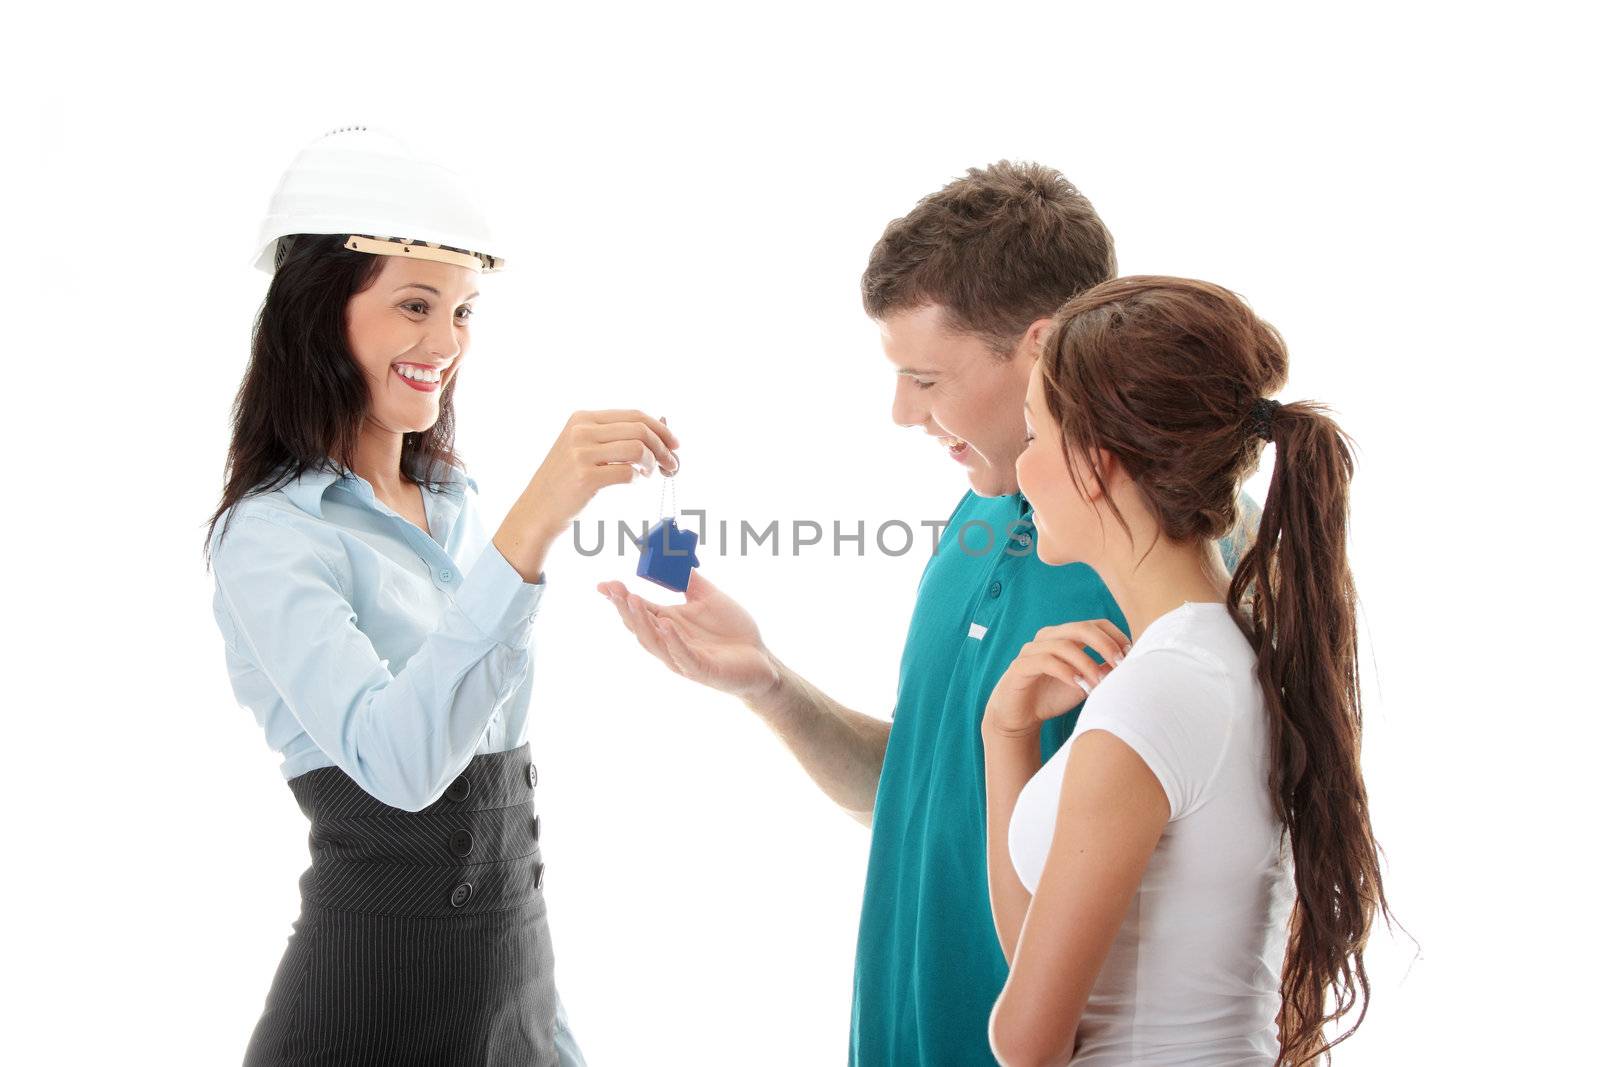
<point x="446" y="575"/>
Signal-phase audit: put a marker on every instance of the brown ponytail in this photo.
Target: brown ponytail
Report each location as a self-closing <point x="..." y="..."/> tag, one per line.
<point x="1303" y="625"/>
<point x="1166" y="374"/>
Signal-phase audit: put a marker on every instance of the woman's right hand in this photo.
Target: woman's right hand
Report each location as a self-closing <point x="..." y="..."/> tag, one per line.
<point x="595" y="449"/>
<point x="1053" y="674"/>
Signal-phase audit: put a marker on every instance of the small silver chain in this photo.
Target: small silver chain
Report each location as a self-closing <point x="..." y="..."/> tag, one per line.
<point x="668" y="481"/>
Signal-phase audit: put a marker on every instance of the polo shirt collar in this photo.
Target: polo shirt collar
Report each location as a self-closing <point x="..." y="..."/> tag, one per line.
<point x="306" y="491"/>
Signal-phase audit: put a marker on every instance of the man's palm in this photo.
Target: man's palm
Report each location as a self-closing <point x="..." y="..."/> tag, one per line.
<point x="708" y="639"/>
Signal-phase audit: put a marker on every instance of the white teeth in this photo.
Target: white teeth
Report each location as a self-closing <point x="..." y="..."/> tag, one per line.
<point x="416" y="374"/>
<point x="951" y="442"/>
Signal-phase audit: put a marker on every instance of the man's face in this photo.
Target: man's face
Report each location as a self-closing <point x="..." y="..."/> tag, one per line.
<point x="954" y="387"/>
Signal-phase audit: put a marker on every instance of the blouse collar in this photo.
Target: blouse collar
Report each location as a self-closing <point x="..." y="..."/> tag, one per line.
<point x="306" y="491"/>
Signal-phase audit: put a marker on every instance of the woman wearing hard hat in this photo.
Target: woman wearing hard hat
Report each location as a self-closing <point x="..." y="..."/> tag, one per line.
<point x="380" y="636"/>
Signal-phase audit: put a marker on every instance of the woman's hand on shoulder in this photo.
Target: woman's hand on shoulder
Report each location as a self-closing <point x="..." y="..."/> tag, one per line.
<point x="1051" y="675"/>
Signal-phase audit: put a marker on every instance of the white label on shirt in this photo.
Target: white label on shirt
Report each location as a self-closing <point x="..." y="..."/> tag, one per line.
<point x="977" y="631"/>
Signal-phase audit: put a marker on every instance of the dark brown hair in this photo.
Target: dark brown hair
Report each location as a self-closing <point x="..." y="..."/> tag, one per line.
<point x="303" y="397"/>
<point x="1165" y="374"/>
<point x="998" y="249"/>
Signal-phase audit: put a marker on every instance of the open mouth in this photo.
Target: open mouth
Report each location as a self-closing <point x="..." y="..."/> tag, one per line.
<point x="421" y="379"/>
<point x="956" y="447"/>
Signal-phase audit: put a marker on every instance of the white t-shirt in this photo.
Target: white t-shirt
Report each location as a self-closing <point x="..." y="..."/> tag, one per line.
<point x="1193" y="975"/>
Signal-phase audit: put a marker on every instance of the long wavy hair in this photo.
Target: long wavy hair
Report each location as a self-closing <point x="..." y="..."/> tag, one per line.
<point x="303" y="398"/>
<point x="1165" y="374"/>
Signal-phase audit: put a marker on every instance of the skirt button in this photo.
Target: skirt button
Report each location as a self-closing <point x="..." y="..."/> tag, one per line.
<point x="459" y="789"/>
<point x="536" y="827"/>
<point x="538" y="876"/>
<point x="461" y="842"/>
<point x="533" y="775"/>
<point x="460" y="894"/>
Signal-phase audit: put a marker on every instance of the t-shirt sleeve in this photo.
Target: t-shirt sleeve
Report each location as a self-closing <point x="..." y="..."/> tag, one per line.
<point x="1170" y="708"/>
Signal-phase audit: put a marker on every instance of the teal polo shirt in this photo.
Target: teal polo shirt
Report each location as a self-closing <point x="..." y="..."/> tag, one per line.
<point x="928" y="963"/>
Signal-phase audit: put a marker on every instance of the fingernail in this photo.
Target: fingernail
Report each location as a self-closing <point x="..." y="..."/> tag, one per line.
<point x="1083" y="685"/>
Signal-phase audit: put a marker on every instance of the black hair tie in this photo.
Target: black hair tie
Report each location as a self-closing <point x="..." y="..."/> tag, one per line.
<point x="1261" y="416"/>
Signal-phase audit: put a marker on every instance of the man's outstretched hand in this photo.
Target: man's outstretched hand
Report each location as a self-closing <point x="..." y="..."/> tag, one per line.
<point x="708" y="638"/>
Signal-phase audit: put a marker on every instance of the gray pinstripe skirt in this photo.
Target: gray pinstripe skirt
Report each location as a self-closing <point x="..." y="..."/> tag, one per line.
<point x="422" y="936"/>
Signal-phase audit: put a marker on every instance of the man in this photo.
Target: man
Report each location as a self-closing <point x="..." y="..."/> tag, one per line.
<point x="962" y="289"/>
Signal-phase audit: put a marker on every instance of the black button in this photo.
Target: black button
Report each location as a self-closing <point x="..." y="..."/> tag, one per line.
<point x="536" y="827"/>
<point x="538" y="876"/>
<point x="994" y="590"/>
<point x="461" y="842"/>
<point x="533" y="775"/>
<point x="459" y="789"/>
<point x="460" y="894"/>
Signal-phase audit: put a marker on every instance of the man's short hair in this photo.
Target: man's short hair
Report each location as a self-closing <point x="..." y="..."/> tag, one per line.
<point x="1004" y="246"/>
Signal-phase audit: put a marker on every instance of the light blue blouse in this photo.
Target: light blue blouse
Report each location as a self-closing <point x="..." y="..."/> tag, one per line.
<point x="359" y="640"/>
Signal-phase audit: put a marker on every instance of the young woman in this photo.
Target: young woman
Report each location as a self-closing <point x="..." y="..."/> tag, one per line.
<point x="1194" y="872"/>
<point x="381" y="638"/>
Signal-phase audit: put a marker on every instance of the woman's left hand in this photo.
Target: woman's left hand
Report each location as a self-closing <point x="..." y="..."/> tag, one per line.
<point x="1052" y="675"/>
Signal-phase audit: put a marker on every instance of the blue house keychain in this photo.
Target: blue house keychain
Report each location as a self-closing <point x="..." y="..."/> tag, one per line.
<point x="667" y="554"/>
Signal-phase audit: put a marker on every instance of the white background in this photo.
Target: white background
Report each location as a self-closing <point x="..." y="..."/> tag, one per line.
<point x="1404" y="191"/>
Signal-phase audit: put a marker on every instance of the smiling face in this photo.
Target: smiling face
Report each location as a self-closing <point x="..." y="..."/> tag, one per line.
<point x="408" y="331"/>
<point x="953" y="387"/>
<point x="1067" y="522"/>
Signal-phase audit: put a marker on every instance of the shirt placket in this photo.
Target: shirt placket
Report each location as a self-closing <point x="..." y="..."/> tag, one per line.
<point x="445" y="574"/>
<point x="443" y="570"/>
<point x="1008" y="547"/>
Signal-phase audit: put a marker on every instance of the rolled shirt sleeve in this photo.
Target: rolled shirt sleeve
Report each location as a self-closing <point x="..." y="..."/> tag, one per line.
<point x="402" y="736"/>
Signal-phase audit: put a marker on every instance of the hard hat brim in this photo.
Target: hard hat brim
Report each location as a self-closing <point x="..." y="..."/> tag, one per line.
<point x="266" y="257"/>
<point x="399" y="246"/>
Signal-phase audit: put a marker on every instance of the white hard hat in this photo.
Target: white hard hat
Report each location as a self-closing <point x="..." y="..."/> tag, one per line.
<point x="369" y="184"/>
